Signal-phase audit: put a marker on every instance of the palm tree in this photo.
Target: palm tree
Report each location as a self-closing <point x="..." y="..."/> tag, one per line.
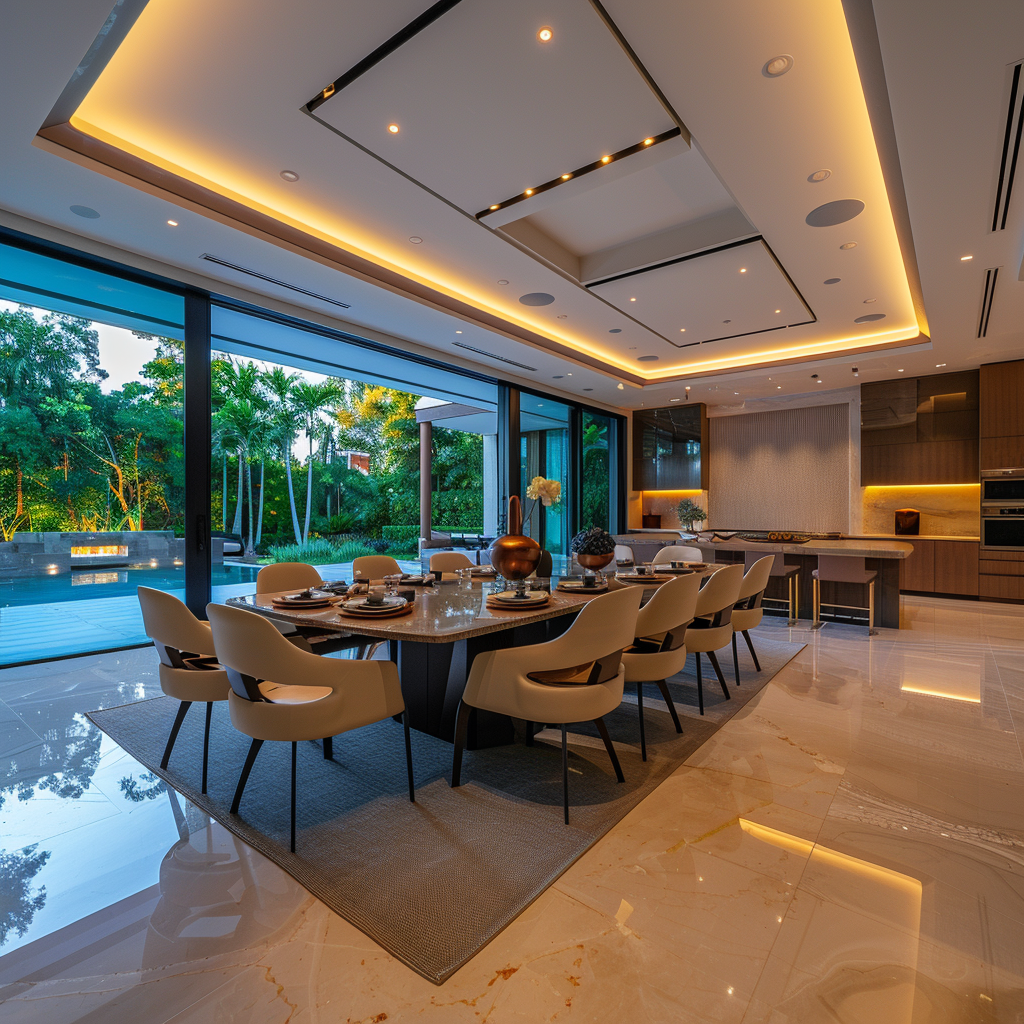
<point x="309" y="401"/>
<point x="281" y="386"/>
<point x="241" y="385"/>
<point x="242" y="422"/>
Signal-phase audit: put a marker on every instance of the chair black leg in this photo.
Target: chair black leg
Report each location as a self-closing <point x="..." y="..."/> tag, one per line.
<point x="565" y="774"/>
<point x="250" y="760"/>
<point x="328" y="748"/>
<point x="640" y="706"/>
<point x="408" y="757"/>
<point x="753" y="653"/>
<point x="178" y="719"/>
<point x="735" y="661"/>
<point x="603" y="730"/>
<point x="667" y="697"/>
<point x="206" y="742"/>
<point x="700" y="684"/>
<point x="461" y="727"/>
<point x="712" y="657"/>
<point x="294" y="751"/>
<point x="529" y="734"/>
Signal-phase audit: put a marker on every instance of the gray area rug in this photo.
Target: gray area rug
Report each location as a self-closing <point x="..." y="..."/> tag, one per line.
<point x="433" y="882"/>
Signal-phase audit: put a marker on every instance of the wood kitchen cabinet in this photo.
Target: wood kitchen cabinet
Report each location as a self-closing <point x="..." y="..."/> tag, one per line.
<point x="1002" y="415"/>
<point x="956" y="567"/>
<point x="917" y="570"/>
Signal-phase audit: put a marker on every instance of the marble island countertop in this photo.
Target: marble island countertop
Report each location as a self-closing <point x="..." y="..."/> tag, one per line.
<point x="854" y="547"/>
<point x="912" y="537"/>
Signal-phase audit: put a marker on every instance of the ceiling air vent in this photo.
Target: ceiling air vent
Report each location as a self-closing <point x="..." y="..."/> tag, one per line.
<point x="986" y="300"/>
<point x="1011" y="151"/>
<point x="273" y="280"/>
<point x="491" y="355"/>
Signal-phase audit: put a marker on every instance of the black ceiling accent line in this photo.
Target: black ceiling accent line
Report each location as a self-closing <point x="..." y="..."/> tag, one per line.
<point x="1013" y="164"/>
<point x="640" y="67"/>
<point x="1014" y="85"/>
<point x="792" y="283"/>
<point x="987" y="298"/>
<point x="672" y="133"/>
<point x="676" y="259"/>
<point x="746" y="334"/>
<point x="417" y="25"/>
<point x="491" y="355"/>
<point x="274" y="280"/>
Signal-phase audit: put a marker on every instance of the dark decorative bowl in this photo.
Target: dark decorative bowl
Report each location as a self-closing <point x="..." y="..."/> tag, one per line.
<point x="594" y="561"/>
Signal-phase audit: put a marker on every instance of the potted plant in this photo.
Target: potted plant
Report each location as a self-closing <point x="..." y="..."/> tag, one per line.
<point x="689" y="512"/>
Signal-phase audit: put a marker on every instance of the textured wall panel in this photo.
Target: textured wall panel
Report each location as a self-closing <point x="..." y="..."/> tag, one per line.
<point x="784" y="470"/>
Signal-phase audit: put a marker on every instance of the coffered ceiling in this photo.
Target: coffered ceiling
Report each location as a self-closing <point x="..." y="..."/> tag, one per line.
<point x="661" y="265"/>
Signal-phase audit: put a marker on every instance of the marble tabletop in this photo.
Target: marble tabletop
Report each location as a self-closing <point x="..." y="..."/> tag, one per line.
<point x="442" y="614"/>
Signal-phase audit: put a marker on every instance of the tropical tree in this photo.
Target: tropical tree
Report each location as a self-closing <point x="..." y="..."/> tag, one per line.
<point x="310" y="401"/>
<point x="280" y="385"/>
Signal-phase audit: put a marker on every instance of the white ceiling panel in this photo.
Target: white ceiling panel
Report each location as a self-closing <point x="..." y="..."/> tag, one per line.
<point x="719" y="295"/>
<point x="486" y="111"/>
<point x="665" y="194"/>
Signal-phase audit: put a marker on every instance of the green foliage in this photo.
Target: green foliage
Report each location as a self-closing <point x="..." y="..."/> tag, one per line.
<point x="400" y="533"/>
<point x="689" y="512"/>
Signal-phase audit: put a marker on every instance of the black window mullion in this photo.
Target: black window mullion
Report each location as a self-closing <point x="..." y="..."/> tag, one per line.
<point x="197" y="445"/>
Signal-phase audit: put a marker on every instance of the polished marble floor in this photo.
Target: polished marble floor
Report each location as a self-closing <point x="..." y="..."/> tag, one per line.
<point x="849" y="848"/>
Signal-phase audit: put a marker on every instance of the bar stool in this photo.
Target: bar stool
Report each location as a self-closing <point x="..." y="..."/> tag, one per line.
<point x="790" y="573"/>
<point x="840" y="569"/>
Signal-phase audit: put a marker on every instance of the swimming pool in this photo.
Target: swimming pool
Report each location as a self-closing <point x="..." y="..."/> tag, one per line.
<point x="89" y="584"/>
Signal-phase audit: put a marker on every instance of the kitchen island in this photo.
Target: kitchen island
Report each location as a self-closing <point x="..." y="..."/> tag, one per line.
<point x="882" y="555"/>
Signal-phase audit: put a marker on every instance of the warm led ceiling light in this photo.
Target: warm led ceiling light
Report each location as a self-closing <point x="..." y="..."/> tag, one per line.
<point x="495" y="206"/>
<point x="173" y="223"/>
<point x="394" y="129"/>
<point x="778" y="311"/>
<point x="743" y="270"/>
<point x="632" y="300"/>
<point x="648" y="142"/>
<point x="777" y="66"/>
<point x="964" y="259"/>
<point x="528" y="192"/>
<point x="566" y="177"/>
<point x="682" y="330"/>
<point x="606" y="159"/>
<point x="937" y="365"/>
<point x="545" y="34"/>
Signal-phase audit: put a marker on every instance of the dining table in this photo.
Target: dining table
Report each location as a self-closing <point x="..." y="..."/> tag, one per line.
<point x="435" y="642"/>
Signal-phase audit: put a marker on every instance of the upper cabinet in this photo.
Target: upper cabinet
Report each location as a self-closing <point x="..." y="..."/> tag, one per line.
<point x="670" y="448"/>
<point x="921" y="430"/>
<point x="1002" y="415"/>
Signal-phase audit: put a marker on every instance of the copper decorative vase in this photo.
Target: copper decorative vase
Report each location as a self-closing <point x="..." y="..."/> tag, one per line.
<point x="515" y="556"/>
<point x="594" y="562"/>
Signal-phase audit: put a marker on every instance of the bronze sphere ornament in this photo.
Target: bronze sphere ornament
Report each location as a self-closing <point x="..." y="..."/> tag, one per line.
<point x="515" y="556"/>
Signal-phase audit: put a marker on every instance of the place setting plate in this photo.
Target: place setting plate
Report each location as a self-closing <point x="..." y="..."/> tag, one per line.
<point x="649" y="577"/>
<point x="508" y="599"/>
<point x="311" y="600"/>
<point x="360" y="608"/>
<point x="576" y="586"/>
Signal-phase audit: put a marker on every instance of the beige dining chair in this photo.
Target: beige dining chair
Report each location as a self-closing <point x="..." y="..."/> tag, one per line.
<point x="189" y="670"/>
<point x="374" y="567"/>
<point x="623" y="554"/>
<point x="659" y="650"/>
<point x="577" y="677"/>
<point x="280" y="692"/>
<point x="712" y="624"/>
<point x="747" y="612"/>
<point x="449" y="561"/>
<point x="678" y="553"/>
<point x="278" y="576"/>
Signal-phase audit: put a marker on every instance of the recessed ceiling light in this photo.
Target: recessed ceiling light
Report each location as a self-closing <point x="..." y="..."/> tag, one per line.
<point x="648" y="142"/>
<point x="937" y="365"/>
<point x="173" y="223"/>
<point x="566" y="177"/>
<point x="964" y="259"/>
<point x="503" y="281"/>
<point x="620" y="386"/>
<point x="632" y="300"/>
<point x="528" y="192"/>
<point x="778" y="311"/>
<point x="415" y="239"/>
<point x="743" y="270"/>
<point x="568" y="375"/>
<point x="394" y="129"/>
<point x="84" y="211"/>
<point x="848" y="245"/>
<point x="289" y="176"/>
<point x="495" y="206"/>
<point x="899" y="371"/>
<point x="821" y="175"/>
<point x="821" y="382"/>
<point x="777" y="66"/>
<point x="687" y="388"/>
<point x="735" y="392"/>
<point x="778" y="387"/>
<point x="866" y="301"/>
<point x="545" y="34"/>
<point x="458" y="332"/>
<point x="606" y="159"/>
<point x="682" y="330"/>
<point x="833" y="280"/>
<point x="673" y="399"/>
